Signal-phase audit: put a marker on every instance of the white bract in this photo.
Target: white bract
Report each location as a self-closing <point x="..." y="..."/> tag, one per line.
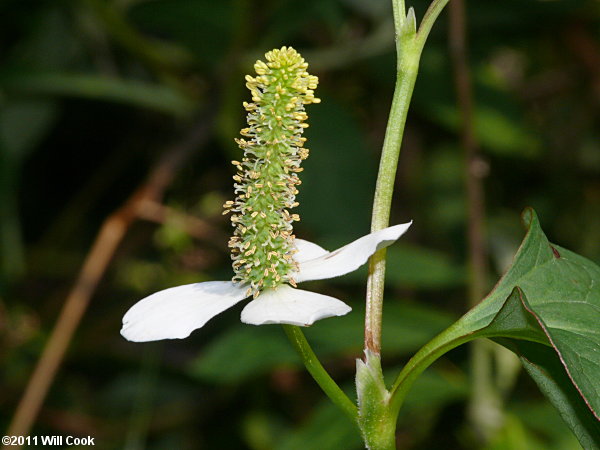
<point x="174" y="313"/>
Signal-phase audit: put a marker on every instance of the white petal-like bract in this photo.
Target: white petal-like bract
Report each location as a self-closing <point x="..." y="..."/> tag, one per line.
<point x="350" y="257"/>
<point x="292" y="306"/>
<point x="174" y="313"/>
<point x="307" y="250"/>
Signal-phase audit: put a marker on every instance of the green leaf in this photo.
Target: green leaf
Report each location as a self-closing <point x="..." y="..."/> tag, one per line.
<point x="514" y="320"/>
<point x="549" y="299"/>
<point x="560" y="297"/>
<point x="526" y="337"/>
<point x="545" y="368"/>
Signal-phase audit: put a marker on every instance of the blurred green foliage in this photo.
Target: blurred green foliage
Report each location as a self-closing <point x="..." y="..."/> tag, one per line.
<point x="93" y="91"/>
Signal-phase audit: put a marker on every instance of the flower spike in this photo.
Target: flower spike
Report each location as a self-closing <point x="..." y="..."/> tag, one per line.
<point x="262" y="246"/>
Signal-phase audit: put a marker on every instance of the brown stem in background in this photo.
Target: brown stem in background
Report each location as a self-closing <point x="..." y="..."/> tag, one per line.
<point x="108" y="239"/>
<point x="475" y="167"/>
<point x="484" y="407"/>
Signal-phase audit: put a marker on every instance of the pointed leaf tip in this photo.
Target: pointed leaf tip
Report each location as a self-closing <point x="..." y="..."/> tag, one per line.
<point x="529" y="217"/>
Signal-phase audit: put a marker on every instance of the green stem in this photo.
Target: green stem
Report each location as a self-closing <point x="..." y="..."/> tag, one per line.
<point x="377" y="424"/>
<point x="408" y="54"/>
<point x="381" y="209"/>
<point x="409" y="46"/>
<point x="399" y="14"/>
<point x="320" y="375"/>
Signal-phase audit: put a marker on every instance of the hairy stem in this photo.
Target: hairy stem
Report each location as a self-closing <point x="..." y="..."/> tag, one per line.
<point x="406" y="73"/>
<point x="409" y="46"/>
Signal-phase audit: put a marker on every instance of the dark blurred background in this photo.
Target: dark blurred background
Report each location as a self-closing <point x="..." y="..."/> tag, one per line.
<point x="117" y="121"/>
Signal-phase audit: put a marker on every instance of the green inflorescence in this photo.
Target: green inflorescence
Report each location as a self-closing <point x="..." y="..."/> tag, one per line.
<point x="262" y="245"/>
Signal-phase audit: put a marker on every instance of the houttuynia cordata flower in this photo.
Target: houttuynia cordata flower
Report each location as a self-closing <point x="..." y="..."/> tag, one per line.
<point x="268" y="260"/>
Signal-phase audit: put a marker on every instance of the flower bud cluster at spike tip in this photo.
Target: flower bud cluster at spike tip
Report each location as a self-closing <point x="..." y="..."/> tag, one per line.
<point x="262" y="246"/>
